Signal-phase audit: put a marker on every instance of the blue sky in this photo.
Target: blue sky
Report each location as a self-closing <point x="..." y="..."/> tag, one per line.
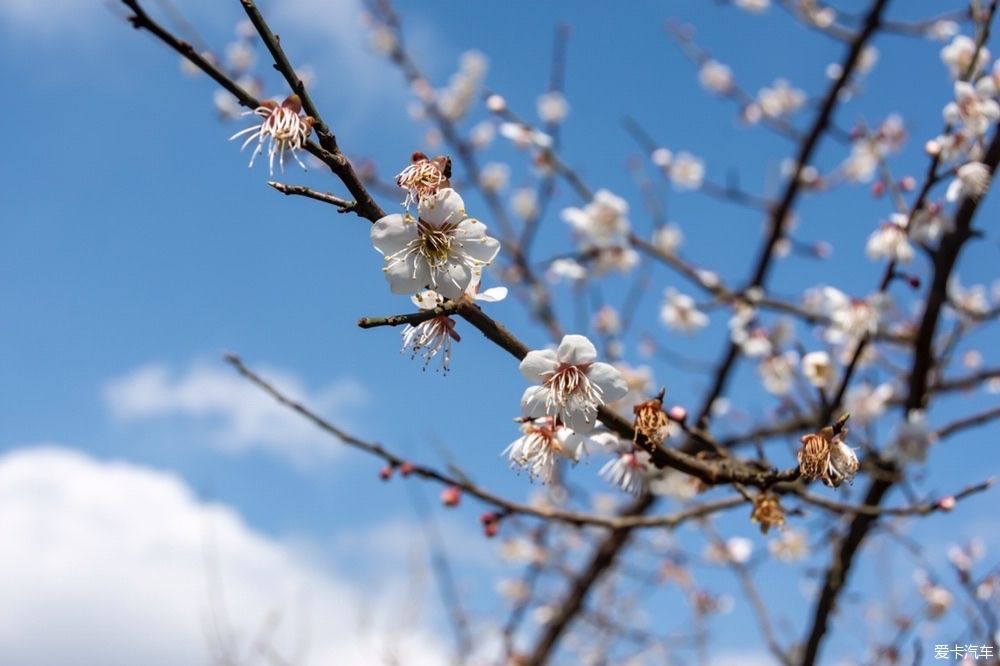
<point x="137" y="246"/>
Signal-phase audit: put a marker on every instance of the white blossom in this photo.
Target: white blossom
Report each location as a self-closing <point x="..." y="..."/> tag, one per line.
<point x="780" y="99"/>
<point x="601" y="223"/>
<point x="867" y="403"/>
<point x="790" y="546"/>
<point x="890" y="241"/>
<point x="627" y="471"/>
<point x="457" y="98"/>
<point x="572" y="384"/>
<point x="818" y="369"/>
<point x="958" y="57"/>
<point x="524" y="136"/>
<point x="968" y="300"/>
<point x="777" y="372"/>
<point x="567" y="269"/>
<point x="970" y="110"/>
<point x="542" y="444"/>
<point x="753" y="6"/>
<point x="680" y="313"/>
<point x="912" y="438"/>
<point x="687" y="171"/>
<point x="971" y="180"/>
<point x="553" y="107"/>
<point x="493" y="177"/>
<point x="442" y="250"/>
<point x="715" y="76"/>
<point x="668" y="238"/>
<point x="735" y="550"/>
<point x="929" y="223"/>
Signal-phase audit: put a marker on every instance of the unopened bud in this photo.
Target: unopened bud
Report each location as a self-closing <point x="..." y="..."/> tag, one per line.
<point x="451" y="495"/>
<point x="385" y="473"/>
<point x="678" y="414"/>
<point x="947" y="503"/>
<point x="406" y="469"/>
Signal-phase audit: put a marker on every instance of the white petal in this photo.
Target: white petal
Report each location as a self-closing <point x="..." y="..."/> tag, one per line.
<point x="492" y="295"/>
<point x="453" y="280"/>
<point x="609" y="380"/>
<point x="533" y="401"/>
<point x="582" y="421"/>
<point x="537" y="363"/>
<point x="445" y="206"/>
<point x="576" y="350"/>
<point x="473" y="241"/>
<point x="392" y="233"/>
<point x="407" y="277"/>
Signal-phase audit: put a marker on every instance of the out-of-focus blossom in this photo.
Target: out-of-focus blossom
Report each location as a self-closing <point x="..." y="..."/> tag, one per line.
<point x="777" y="372"/>
<point x="971" y="180"/>
<point x="890" y="241"/>
<point x="668" y="238"/>
<point x="790" y="546"/>
<point x="553" y="107"/>
<point x="601" y="223"/>
<point x="971" y="110"/>
<point x="818" y="369"/>
<point x="912" y="439"/>
<point x="781" y="99"/>
<point x="494" y="176"/>
<point x="866" y="403"/>
<point x="679" y="312"/>
<point x="687" y="171"/>
<point x="959" y="54"/>
<point x="735" y="550"/>
<point x="715" y="77"/>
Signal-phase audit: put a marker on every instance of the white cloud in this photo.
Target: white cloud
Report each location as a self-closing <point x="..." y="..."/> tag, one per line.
<point x="238" y="414"/>
<point x="104" y="564"/>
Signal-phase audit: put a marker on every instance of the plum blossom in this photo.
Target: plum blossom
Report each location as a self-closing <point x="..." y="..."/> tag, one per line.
<point x="283" y="129"/>
<point x="524" y="136"/>
<point x="818" y="369"/>
<point x="912" y="438"/>
<point x="753" y="6"/>
<point x="680" y="313"/>
<point x="629" y="470"/>
<point x="572" y="384"/>
<point x="542" y="444"/>
<point x="866" y="402"/>
<point x="715" y="77"/>
<point x="687" y="171"/>
<point x="850" y="318"/>
<point x="456" y="100"/>
<point x="777" y="372"/>
<point x="824" y="455"/>
<point x="553" y="107"/>
<point x="929" y="222"/>
<point x="736" y="550"/>
<point x="974" y="112"/>
<point x="601" y="223"/>
<point x="968" y="300"/>
<point x="781" y="99"/>
<point x="790" y="546"/>
<point x="971" y="180"/>
<point x="423" y="177"/>
<point x="959" y="54"/>
<point x="435" y="335"/>
<point x="442" y="250"/>
<point x="890" y="241"/>
<point x="668" y="238"/>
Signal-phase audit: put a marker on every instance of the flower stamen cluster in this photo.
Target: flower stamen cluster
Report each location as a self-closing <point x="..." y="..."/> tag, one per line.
<point x="283" y="129"/>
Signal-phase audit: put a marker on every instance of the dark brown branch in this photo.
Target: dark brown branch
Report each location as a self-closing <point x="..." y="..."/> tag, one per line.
<point x="343" y="205"/>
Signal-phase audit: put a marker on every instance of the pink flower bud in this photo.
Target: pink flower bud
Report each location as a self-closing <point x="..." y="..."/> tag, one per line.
<point x="947" y="503"/>
<point x="678" y="413"/>
<point x="406" y="469"/>
<point x="451" y="495"/>
<point x="385" y="473"/>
